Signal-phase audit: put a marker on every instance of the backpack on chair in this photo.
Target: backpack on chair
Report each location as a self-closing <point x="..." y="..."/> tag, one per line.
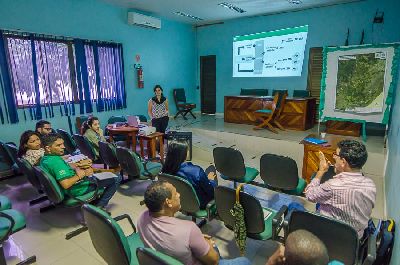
<point x="385" y="242"/>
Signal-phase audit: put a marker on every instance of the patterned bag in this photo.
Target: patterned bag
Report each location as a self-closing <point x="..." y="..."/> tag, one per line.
<point x="240" y="224"/>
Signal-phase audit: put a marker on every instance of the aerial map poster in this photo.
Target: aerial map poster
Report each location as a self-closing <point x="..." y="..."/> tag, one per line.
<point x="360" y="82"/>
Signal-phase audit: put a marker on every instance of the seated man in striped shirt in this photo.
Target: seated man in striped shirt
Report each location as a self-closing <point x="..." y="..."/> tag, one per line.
<point x="349" y="196"/>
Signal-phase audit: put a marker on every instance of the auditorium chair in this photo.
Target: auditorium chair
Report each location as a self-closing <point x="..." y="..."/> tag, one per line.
<point x="108" y="238"/>
<point x="148" y="256"/>
<point x="12" y="151"/>
<point x="270" y="117"/>
<point x="136" y="167"/>
<point x="27" y="169"/>
<point x="257" y="227"/>
<point x="11" y="221"/>
<point x="6" y="163"/>
<point x="230" y="163"/>
<point x="301" y="93"/>
<point x="108" y="155"/>
<point x="281" y="173"/>
<point x="260" y="92"/>
<point x="340" y="239"/>
<point x="61" y="197"/>
<point x="86" y="148"/>
<point x="182" y="106"/>
<point x="5" y="203"/>
<point x="190" y="203"/>
<point x="70" y="146"/>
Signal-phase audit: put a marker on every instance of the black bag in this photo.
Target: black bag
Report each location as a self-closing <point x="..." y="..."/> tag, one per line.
<point x="385" y="242"/>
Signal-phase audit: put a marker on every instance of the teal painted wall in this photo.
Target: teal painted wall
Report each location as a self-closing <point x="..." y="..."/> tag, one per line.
<point x="167" y="55"/>
<point x="327" y="26"/>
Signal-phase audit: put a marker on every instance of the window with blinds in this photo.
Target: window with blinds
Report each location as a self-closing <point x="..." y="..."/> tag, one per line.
<point x="315" y="74"/>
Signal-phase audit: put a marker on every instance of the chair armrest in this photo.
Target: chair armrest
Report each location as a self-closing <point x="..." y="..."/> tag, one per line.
<point x="371" y="249"/>
<point x="93" y="182"/>
<point x="9" y="230"/>
<point x="278" y="221"/>
<point x="209" y="206"/>
<point x="126" y="216"/>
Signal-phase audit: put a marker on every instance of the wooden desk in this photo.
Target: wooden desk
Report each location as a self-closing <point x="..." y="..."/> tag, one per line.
<point x="151" y="144"/>
<point x="130" y="132"/>
<point x="311" y="156"/>
<point x="297" y="114"/>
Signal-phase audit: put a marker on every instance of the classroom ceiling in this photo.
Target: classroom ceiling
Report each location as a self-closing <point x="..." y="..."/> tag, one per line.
<point x="210" y="11"/>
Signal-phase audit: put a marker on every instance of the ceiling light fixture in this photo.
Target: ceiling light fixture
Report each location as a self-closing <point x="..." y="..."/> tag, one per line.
<point x="187" y="15"/>
<point x="295" y="2"/>
<point x="232" y="7"/>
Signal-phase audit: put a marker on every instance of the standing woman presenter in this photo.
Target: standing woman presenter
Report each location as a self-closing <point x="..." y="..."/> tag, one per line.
<point x="158" y="110"/>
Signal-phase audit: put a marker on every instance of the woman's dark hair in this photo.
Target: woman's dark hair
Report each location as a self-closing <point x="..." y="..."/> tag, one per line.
<point x="157" y="86"/>
<point x="354" y="152"/>
<point x="88" y="124"/>
<point x="24" y="140"/>
<point x="176" y="155"/>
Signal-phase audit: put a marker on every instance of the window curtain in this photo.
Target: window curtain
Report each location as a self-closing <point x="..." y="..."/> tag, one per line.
<point x="10" y="108"/>
<point x="82" y="77"/>
<point x="106" y="75"/>
<point x="41" y="76"/>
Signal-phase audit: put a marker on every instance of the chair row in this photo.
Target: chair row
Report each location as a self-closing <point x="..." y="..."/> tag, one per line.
<point x="112" y="157"/>
<point x="277" y="172"/>
<point x="261" y="223"/>
<point x="340" y="238"/>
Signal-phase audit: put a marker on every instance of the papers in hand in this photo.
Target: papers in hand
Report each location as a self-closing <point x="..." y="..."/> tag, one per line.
<point x="76" y="158"/>
<point x="104" y="175"/>
<point x="266" y="213"/>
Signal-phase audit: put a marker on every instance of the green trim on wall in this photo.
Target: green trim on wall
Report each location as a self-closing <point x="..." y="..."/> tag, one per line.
<point x="278" y="32"/>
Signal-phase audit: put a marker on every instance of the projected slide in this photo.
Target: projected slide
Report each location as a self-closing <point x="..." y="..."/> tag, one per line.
<point x="270" y="54"/>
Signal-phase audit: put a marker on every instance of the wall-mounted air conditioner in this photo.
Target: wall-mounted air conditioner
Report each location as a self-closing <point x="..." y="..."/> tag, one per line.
<point x="143" y="20"/>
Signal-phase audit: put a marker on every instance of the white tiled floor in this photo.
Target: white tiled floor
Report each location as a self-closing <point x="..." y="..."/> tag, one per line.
<point x="45" y="232"/>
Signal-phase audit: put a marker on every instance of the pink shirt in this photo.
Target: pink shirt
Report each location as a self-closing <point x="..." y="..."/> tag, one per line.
<point x="348" y="196"/>
<point x="177" y="238"/>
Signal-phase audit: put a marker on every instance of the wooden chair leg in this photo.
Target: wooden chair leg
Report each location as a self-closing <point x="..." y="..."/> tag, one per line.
<point x="271" y="128"/>
<point x="264" y="122"/>
<point x="279" y="125"/>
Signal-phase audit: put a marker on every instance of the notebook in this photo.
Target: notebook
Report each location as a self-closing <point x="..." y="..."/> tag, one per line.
<point x="104" y="175"/>
<point x="133" y="122"/>
<point x="314" y="140"/>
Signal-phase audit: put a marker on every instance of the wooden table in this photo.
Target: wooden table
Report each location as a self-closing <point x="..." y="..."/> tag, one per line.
<point x="311" y="156"/>
<point x="297" y="114"/>
<point x="151" y="144"/>
<point x="130" y="133"/>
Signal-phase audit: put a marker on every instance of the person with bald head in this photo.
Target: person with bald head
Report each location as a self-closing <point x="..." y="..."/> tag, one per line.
<point x="301" y="248"/>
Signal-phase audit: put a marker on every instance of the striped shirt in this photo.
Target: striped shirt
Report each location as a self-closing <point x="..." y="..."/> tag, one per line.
<point x="348" y="196"/>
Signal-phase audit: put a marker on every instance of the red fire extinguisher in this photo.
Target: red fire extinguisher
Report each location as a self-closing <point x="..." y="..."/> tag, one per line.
<point x="140" y="79"/>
